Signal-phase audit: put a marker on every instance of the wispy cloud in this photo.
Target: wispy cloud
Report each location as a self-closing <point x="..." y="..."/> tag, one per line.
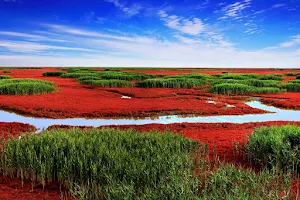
<point x="30" y="47"/>
<point x="87" y="33"/>
<point x="32" y="37"/>
<point x="295" y="40"/>
<point x="279" y="5"/>
<point x="193" y="26"/>
<point x="102" y="49"/>
<point x="235" y="10"/>
<point x="129" y="11"/>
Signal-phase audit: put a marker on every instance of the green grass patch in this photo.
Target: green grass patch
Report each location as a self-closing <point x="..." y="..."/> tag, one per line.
<point x="172" y="83"/>
<point x="242" y="89"/>
<point x="53" y="73"/>
<point x="277" y="77"/>
<point x="113" y="163"/>
<point x="250" y="82"/>
<point x="106" y="83"/>
<point x="293" y="87"/>
<point x="290" y="74"/>
<point x="275" y="147"/>
<point x="190" y="76"/>
<point x="25" y="87"/>
<point x="236" y="183"/>
<point x="108" y="75"/>
<point x="126" y="164"/>
<point x="5" y="77"/>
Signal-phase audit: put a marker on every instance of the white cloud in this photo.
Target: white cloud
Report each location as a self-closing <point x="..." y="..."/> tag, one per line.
<point x="295" y="40"/>
<point x="130" y="11"/>
<point x="86" y="33"/>
<point x="32" y="37"/>
<point x="97" y="49"/>
<point x="25" y="47"/>
<point x="279" y="5"/>
<point x="235" y="10"/>
<point x="192" y="26"/>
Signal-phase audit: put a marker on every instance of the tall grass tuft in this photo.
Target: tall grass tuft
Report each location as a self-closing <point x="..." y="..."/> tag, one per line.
<point x="106" y="163"/>
<point x="5" y="77"/>
<point x="126" y="164"/>
<point x="172" y="83"/>
<point x="293" y="87"/>
<point x="290" y="74"/>
<point x="106" y="83"/>
<point x="53" y="73"/>
<point x="277" y="77"/>
<point x="242" y="89"/>
<point x="25" y="87"/>
<point x="275" y="147"/>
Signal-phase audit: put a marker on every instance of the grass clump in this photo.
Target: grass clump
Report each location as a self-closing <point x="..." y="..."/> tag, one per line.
<point x="190" y="76"/>
<point x="290" y="74"/>
<point x="77" y="74"/>
<point x="242" y="89"/>
<point x="230" y="88"/>
<point x="108" y="75"/>
<point x="293" y="87"/>
<point x="106" y="83"/>
<point x="53" y="73"/>
<point x="126" y="164"/>
<point x="277" y="77"/>
<point x="106" y="163"/>
<point x="172" y="83"/>
<point x="77" y="69"/>
<point x="230" y="182"/>
<point x="25" y="87"/>
<point x="5" y="77"/>
<point x="275" y="147"/>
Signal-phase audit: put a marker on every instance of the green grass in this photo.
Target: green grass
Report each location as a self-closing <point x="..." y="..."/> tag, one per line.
<point x="108" y="75"/>
<point x="106" y="83"/>
<point x="122" y="164"/>
<point x="251" y="82"/>
<point x="25" y="87"/>
<point x="293" y="87"/>
<point x="172" y="83"/>
<point x="77" y="74"/>
<point x="53" y="73"/>
<point x="290" y="74"/>
<point x="126" y="164"/>
<point x="295" y="81"/>
<point x="190" y="76"/>
<point x="275" y="147"/>
<point x="298" y="77"/>
<point x="78" y="69"/>
<point x="277" y="77"/>
<point x="236" y="183"/>
<point x="5" y="77"/>
<point x="242" y="89"/>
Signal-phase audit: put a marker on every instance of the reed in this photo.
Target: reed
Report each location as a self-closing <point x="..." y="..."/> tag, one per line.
<point x="5" y="77"/>
<point x="275" y="147"/>
<point x="53" y="73"/>
<point x="25" y="87"/>
<point x="106" y="83"/>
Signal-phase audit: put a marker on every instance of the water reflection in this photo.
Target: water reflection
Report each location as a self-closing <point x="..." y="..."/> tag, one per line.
<point x="276" y="115"/>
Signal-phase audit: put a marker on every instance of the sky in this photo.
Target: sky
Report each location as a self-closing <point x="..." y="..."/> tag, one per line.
<point x="161" y="33"/>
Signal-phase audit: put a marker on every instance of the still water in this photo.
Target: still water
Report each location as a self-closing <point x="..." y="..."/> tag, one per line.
<point x="276" y="115"/>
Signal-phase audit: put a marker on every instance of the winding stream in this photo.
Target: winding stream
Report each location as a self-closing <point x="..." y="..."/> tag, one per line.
<point x="276" y="115"/>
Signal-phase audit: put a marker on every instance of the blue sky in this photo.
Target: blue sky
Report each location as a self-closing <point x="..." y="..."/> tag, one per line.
<point x="186" y="33"/>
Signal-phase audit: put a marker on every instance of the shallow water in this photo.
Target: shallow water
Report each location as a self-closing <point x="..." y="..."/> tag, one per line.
<point x="43" y="123"/>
